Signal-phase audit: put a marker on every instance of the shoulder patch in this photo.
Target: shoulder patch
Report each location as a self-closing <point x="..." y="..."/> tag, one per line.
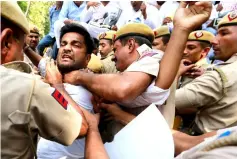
<point x="60" y="99"/>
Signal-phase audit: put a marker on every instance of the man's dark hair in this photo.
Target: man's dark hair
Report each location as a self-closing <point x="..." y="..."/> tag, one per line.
<point x="96" y="43"/>
<point x="205" y="44"/>
<point x="140" y="40"/>
<point x="165" y="39"/>
<point x="77" y="28"/>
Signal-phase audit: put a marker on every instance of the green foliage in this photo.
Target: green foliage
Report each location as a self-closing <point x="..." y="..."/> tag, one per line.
<point x="23" y="5"/>
<point x="38" y="14"/>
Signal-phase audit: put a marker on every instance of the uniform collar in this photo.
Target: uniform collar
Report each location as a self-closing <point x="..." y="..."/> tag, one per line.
<point x="19" y="66"/>
<point x="110" y="54"/>
<point x="232" y="59"/>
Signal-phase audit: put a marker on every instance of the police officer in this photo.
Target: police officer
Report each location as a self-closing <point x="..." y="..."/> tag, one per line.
<point x="213" y="94"/>
<point x="194" y="57"/>
<point x="106" y="52"/>
<point x="29" y="106"/>
<point x="162" y="37"/>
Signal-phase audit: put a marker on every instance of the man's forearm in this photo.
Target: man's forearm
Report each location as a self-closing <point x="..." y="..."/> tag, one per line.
<point x="182" y="140"/>
<point x="115" y="87"/>
<point x="170" y="62"/>
<point x="94" y="146"/>
<point x="33" y="56"/>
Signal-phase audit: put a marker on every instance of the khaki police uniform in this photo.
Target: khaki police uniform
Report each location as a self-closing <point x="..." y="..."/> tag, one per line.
<point x="162" y="31"/>
<point x="29" y="106"/>
<point x="200" y="36"/>
<point x="108" y="66"/>
<point x="213" y="93"/>
<point x="95" y="64"/>
<point x="148" y="63"/>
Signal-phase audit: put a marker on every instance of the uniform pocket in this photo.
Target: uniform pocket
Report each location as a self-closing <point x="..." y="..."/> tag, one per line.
<point x="19" y="118"/>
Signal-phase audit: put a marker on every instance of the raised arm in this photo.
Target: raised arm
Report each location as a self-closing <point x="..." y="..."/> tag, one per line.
<point x="33" y="56"/>
<point x="185" y="20"/>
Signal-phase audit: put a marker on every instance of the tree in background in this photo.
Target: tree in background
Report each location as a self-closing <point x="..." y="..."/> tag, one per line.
<point x="37" y="13"/>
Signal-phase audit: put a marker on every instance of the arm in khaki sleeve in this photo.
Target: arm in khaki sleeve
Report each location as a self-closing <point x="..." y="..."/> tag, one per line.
<point x="55" y="118"/>
<point x="204" y="90"/>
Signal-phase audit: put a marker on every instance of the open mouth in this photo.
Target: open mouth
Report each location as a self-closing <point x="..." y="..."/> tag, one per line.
<point x="66" y="57"/>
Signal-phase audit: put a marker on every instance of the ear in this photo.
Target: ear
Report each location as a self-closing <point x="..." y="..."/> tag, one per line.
<point x="131" y="45"/>
<point x="205" y="52"/>
<point x="88" y="58"/>
<point x="6" y="43"/>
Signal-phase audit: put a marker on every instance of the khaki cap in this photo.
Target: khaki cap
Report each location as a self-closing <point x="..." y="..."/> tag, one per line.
<point x="229" y="19"/>
<point x="34" y="29"/>
<point x="107" y="35"/>
<point x="12" y="12"/>
<point x="201" y="35"/>
<point x="162" y="31"/>
<point x="135" y="29"/>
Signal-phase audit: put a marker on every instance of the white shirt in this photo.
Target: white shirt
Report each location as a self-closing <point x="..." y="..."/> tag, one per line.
<point x="131" y="16"/>
<point x="148" y="63"/>
<point x="49" y="149"/>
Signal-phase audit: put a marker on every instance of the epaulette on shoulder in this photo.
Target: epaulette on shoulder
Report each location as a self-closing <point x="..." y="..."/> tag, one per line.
<point x="224" y="79"/>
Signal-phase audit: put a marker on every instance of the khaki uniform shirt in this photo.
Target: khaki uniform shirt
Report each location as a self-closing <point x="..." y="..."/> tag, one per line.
<point x="30" y="107"/>
<point x="149" y="64"/>
<point x="108" y="66"/>
<point x="95" y="64"/>
<point x="214" y="94"/>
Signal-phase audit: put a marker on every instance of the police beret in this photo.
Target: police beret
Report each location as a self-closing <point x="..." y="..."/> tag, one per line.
<point x="135" y="29"/>
<point x="229" y="19"/>
<point x="12" y="12"/>
<point x="107" y="35"/>
<point x="34" y="29"/>
<point x="161" y="31"/>
<point x="201" y="35"/>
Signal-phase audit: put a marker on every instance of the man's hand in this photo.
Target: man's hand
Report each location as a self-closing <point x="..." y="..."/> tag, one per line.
<point x="219" y="7"/>
<point x="72" y="77"/>
<point x="195" y="72"/>
<point x="167" y="20"/>
<point x="92" y="4"/>
<point x="92" y="120"/>
<point x="192" y="17"/>
<point x="185" y="66"/>
<point x="53" y="76"/>
<point x="143" y="10"/>
<point x="114" y="27"/>
<point x="68" y="21"/>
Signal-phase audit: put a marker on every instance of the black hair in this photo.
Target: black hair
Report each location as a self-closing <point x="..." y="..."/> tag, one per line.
<point x="96" y="43"/>
<point x="140" y="40"/>
<point x="77" y="28"/>
<point x="165" y="39"/>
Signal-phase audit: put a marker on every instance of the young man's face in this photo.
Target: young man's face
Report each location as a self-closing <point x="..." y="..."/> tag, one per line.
<point x="32" y="40"/>
<point x="105" y="47"/>
<point x="158" y="44"/>
<point x="121" y="54"/>
<point x="225" y="43"/>
<point x="193" y="51"/>
<point x="72" y="54"/>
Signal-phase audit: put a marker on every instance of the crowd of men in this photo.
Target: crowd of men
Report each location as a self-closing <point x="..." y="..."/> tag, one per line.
<point x="103" y="63"/>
